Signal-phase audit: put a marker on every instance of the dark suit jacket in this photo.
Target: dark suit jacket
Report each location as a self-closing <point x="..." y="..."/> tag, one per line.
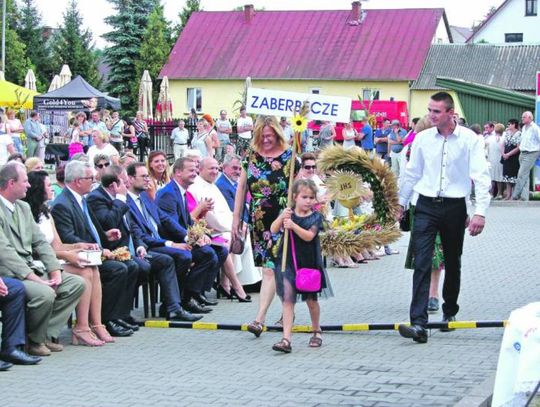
<point x="70" y="221"/>
<point x="112" y="214"/>
<point x="170" y="200"/>
<point x="139" y="224"/>
<point x="229" y="192"/>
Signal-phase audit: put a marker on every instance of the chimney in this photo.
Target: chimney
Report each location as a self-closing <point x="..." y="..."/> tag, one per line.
<point x="249" y="12"/>
<point x="356" y="10"/>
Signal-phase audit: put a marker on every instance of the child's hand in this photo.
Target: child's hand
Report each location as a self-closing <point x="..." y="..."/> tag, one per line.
<point x="288" y="224"/>
<point x="287" y="212"/>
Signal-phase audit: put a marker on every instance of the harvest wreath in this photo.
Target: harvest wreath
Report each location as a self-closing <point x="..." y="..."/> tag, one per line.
<point x="349" y="171"/>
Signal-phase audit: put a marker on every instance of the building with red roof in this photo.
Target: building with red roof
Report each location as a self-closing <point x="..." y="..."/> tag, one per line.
<point x="355" y="52"/>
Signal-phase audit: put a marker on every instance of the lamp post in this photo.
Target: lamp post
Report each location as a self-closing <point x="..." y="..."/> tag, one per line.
<point x="4" y="36"/>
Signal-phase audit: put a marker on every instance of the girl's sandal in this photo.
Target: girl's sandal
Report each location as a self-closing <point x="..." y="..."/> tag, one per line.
<point x="283" y="346"/>
<point x="315" y="341"/>
<point x="256" y="328"/>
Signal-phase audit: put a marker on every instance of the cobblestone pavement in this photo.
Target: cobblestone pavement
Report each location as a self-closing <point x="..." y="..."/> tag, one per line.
<point x="179" y="367"/>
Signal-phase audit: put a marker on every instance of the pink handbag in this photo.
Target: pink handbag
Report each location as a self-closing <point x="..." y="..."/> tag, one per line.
<point x="307" y="280"/>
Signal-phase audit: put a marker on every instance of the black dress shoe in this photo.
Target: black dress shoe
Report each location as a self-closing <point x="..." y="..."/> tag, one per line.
<point x="162" y="311"/>
<point x="123" y="323"/>
<point x="183" y="315"/>
<point x="133" y="321"/>
<point x="117" y="330"/>
<point x="4" y="365"/>
<point x="202" y="300"/>
<point x="416" y="332"/>
<point x="447" y="319"/>
<point x="19" y="357"/>
<point x="193" y="307"/>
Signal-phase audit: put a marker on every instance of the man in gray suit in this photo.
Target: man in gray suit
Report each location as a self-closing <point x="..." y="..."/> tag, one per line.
<point x="35" y="136"/>
<point x="51" y="294"/>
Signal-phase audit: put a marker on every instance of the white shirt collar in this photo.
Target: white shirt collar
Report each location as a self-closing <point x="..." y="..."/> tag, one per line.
<point x="8" y="204"/>
<point x="77" y="196"/>
<point x="133" y="196"/>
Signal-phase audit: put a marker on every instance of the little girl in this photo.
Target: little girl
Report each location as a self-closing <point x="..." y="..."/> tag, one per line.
<point x="75" y="145"/>
<point x="305" y="225"/>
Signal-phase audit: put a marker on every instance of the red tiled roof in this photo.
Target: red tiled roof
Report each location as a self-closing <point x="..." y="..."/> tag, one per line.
<point x="387" y="45"/>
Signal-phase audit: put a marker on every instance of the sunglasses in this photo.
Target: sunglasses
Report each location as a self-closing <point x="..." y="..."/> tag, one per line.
<point x="100" y="166"/>
<point x="310" y="167"/>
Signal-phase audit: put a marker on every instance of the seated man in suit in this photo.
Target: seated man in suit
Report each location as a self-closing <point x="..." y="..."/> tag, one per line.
<point x="147" y="222"/>
<point x="51" y="294"/>
<point x="227" y="183"/>
<point x="75" y="223"/>
<point x="219" y="219"/>
<point x="12" y="299"/>
<point x="172" y="200"/>
<point x="108" y="203"/>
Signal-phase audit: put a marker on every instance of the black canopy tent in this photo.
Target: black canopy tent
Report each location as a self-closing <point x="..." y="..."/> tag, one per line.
<point x="75" y="95"/>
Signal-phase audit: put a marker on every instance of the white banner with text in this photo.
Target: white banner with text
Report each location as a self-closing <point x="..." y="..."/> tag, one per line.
<point x="281" y="103"/>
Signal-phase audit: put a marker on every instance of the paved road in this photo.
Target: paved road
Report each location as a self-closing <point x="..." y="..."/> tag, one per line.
<point x="178" y="367"/>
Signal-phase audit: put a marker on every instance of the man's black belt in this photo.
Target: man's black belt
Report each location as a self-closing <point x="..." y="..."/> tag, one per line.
<point x="180" y="144"/>
<point x="440" y="199"/>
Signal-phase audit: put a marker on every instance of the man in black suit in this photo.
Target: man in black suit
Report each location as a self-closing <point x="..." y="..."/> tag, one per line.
<point x="108" y="202"/>
<point x="76" y="223"/>
<point x="12" y="299"/>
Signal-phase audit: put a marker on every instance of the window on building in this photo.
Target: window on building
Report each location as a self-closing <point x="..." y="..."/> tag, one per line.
<point x="513" y="37"/>
<point x="370" y="94"/>
<point x="531" y="8"/>
<point x="194" y="99"/>
<point x="315" y="91"/>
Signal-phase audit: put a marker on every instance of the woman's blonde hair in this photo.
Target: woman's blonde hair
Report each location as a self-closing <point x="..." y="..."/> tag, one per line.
<point x="423" y="124"/>
<point x="260" y="123"/>
<point x="102" y="136"/>
<point x="499" y="128"/>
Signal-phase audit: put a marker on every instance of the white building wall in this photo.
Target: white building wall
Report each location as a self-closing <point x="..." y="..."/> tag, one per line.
<point x="511" y="19"/>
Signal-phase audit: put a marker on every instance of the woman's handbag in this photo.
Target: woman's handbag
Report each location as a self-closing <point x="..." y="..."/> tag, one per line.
<point x="405" y="222"/>
<point x="307" y="280"/>
<point x="238" y="241"/>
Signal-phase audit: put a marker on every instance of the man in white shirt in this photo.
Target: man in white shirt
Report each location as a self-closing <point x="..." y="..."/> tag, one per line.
<point x="179" y="138"/>
<point x="444" y="160"/>
<point x="224" y="130"/>
<point x="529" y="150"/>
<point x="244" y="126"/>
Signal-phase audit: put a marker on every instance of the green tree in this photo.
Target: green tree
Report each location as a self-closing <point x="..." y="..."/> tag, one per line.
<point x="30" y="31"/>
<point x="17" y="63"/>
<point x="74" y="46"/>
<point x="190" y="7"/>
<point x="128" y="27"/>
<point x="154" y="51"/>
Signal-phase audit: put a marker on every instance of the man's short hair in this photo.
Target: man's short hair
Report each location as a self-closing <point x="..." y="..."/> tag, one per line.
<point x="131" y="169"/>
<point x="444" y="97"/>
<point x="180" y="163"/>
<point x="111" y="175"/>
<point x="101" y="157"/>
<point x="9" y="172"/>
<point x="75" y="169"/>
<point x="33" y="114"/>
<point x="229" y="158"/>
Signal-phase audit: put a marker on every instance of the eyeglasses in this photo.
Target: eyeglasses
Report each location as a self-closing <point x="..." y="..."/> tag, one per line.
<point x="91" y="177"/>
<point x="310" y="167"/>
<point x="145" y="176"/>
<point x="236" y="167"/>
<point x="100" y="166"/>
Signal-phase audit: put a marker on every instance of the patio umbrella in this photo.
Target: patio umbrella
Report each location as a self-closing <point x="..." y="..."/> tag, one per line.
<point x="164" y="104"/>
<point x="55" y="84"/>
<point x="30" y="80"/>
<point x="145" y="95"/>
<point x="65" y="75"/>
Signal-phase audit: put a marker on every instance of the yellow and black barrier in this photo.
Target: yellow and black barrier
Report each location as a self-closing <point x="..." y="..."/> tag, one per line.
<point x="212" y="326"/>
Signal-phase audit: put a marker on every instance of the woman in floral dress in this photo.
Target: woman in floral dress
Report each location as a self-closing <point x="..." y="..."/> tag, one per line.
<point x="266" y="175"/>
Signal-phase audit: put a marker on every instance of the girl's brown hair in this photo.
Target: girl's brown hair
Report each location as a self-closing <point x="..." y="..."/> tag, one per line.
<point x="304" y="183"/>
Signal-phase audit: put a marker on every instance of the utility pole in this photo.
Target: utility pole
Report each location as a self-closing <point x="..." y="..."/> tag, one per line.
<point x="4" y="36"/>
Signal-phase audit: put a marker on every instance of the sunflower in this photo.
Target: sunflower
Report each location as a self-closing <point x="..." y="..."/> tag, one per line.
<point x="299" y="123"/>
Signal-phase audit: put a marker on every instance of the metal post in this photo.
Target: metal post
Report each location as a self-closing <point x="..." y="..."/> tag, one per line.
<point x="4" y="36"/>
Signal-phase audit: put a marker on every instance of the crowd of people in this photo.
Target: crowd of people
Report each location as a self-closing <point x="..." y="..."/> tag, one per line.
<point x="111" y="220"/>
